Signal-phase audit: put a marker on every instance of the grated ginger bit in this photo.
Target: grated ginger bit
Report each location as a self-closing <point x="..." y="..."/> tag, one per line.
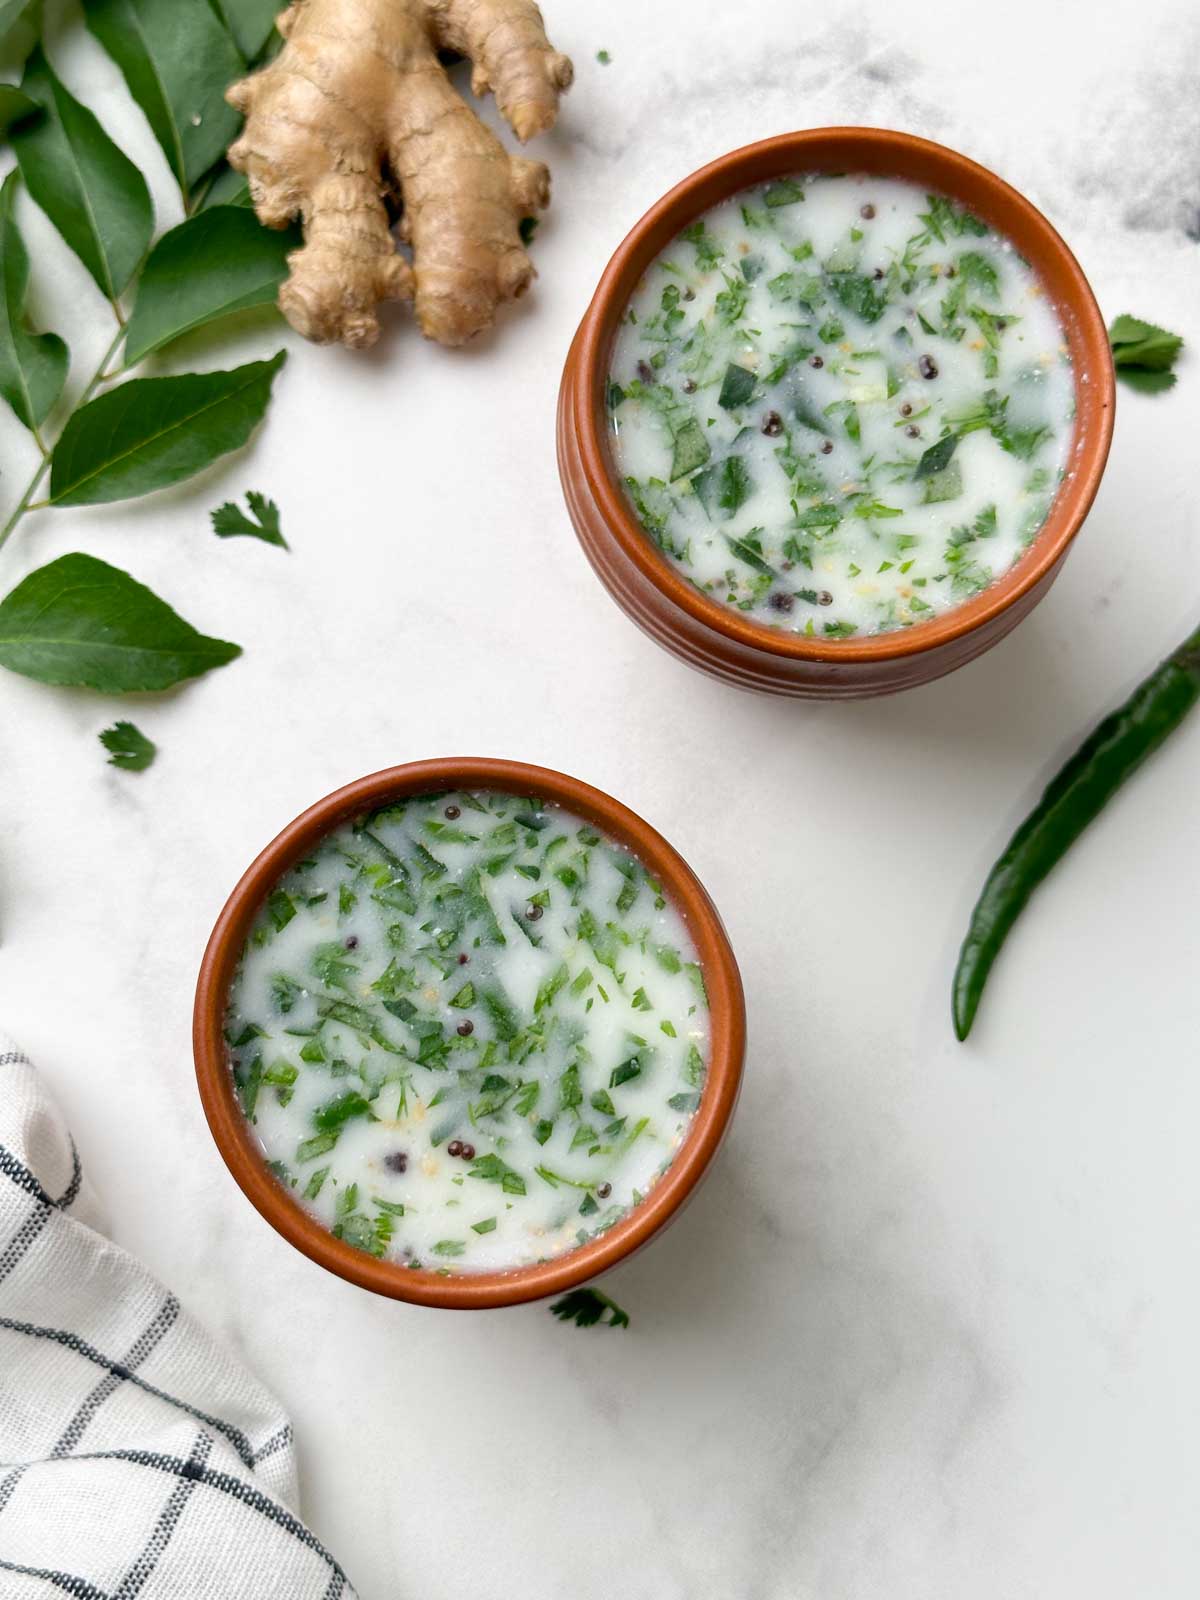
<point x="429" y="1166"/>
<point x="429" y="993"/>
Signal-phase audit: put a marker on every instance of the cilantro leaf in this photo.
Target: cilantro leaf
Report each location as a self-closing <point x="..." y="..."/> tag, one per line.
<point x="783" y="192"/>
<point x="1144" y="354"/>
<point x="330" y="1116"/>
<point x="976" y="269"/>
<point x="859" y="294"/>
<point x="588" y="1308"/>
<point x="491" y="1169"/>
<point x="1146" y="382"/>
<point x="128" y="747"/>
<point x="229" y="521"/>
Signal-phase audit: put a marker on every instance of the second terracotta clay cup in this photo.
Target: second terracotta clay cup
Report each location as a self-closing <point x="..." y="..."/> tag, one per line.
<point x="469" y="1291"/>
<point x="717" y="639"/>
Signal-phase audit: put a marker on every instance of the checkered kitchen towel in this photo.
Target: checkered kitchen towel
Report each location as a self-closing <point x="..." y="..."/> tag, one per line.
<point x="137" y="1458"/>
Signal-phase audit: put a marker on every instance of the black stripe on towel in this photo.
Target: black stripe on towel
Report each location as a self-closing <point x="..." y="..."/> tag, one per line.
<point x="135" y="1579"/>
<point x="21" y="1242"/>
<point x="224" y="1483"/>
<point x="277" y="1442"/>
<point x="161" y="1322"/>
<point x="72" y="1341"/>
<point x="16" y="1170"/>
<point x="71" y="1193"/>
<point x="21" y="1176"/>
<point x="8" y="1484"/>
<point x="77" y="1588"/>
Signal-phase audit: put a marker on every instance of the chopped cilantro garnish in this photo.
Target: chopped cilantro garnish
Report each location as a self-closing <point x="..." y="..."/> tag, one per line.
<point x="589" y="1308"/>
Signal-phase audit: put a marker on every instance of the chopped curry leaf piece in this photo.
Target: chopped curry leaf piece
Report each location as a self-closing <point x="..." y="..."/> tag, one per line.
<point x="691" y="449"/>
<point x="737" y="387"/>
<point x="725" y="486"/>
<point x="937" y="456"/>
<point x="944" y="485"/>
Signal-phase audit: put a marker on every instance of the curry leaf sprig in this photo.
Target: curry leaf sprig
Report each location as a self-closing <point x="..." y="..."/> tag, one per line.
<point x="588" y="1308"/>
<point x="124" y="436"/>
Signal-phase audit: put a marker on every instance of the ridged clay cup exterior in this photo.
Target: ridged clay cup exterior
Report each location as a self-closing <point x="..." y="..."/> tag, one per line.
<point x="719" y="640"/>
<point x="469" y="1291"/>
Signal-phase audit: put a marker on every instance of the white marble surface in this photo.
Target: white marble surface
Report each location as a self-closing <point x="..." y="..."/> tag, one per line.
<point x="931" y="1328"/>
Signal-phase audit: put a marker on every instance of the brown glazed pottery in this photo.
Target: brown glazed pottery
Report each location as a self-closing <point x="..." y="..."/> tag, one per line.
<point x="719" y="640"/>
<point x="469" y="1291"/>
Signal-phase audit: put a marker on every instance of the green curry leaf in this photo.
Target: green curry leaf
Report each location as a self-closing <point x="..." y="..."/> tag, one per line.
<point x="80" y="622"/>
<point x="15" y="107"/>
<point x="152" y="432"/>
<point x="177" y="59"/>
<point x="250" y="22"/>
<point x="90" y="190"/>
<point x="33" y="366"/>
<point x="215" y="263"/>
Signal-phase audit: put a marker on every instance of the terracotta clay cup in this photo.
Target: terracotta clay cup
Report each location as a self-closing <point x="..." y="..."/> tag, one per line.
<point x="715" y="638"/>
<point x="470" y="1291"/>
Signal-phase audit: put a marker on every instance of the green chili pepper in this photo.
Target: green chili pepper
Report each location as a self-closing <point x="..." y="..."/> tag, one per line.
<point x="1073" y="798"/>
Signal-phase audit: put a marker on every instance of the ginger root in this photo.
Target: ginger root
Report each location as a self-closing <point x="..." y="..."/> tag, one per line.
<point x="357" y="109"/>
